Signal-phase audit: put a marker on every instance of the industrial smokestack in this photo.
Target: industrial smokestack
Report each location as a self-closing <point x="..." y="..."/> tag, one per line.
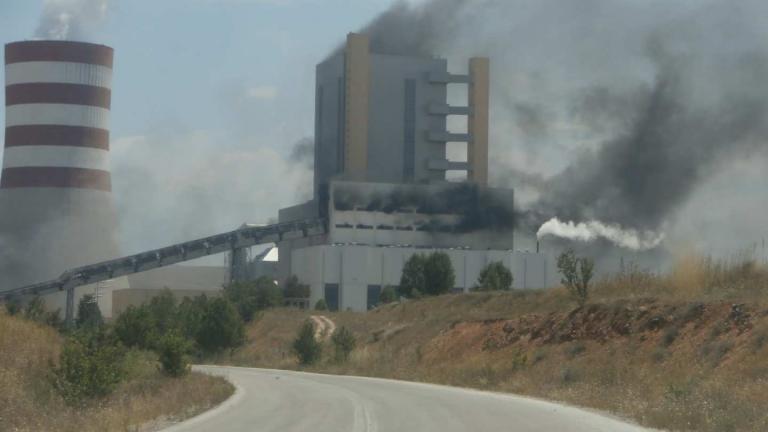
<point x="56" y="209"/>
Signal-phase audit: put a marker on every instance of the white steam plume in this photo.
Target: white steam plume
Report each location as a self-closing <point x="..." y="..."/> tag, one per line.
<point x="71" y="19"/>
<point x="593" y="230"/>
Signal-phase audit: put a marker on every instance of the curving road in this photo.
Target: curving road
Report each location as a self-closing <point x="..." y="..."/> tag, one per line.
<point x="271" y="400"/>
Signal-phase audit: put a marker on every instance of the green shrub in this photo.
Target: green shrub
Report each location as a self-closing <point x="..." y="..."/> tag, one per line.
<point x="88" y="313"/>
<point x="252" y="296"/>
<point x="494" y="277"/>
<point x="388" y="295"/>
<point x="220" y="326"/>
<point x="136" y="327"/>
<point x="13" y="306"/>
<point x="412" y="281"/>
<point x="35" y="310"/>
<point x="292" y="288"/>
<point x="90" y="366"/>
<point x="172" y="350"/>
<point x="576" y="274"/>
<point x="162" y="310"/>
<point x="321" y="305"/>
<point x="427" y="275"/>
<point x="305" y="346"/>
<point x="343" y="343"/>
<point x="439" y="274"/>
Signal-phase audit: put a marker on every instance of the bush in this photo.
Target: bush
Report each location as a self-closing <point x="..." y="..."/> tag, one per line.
<point x="438" y="274"/>
<point x="252" y="296"/>
<point x="343" y="343"/>
<point x="88" y="313"/>
<point x="412" y="281"/>
<point x="90" y="366"/>
<point x="220" y="326"/>
<point x="292" y="288"/>
<point x="172" y="350"/>
<point x="35" y="310"/>
<point x="305" y="346"/>
<point x="576" y="274"/>
<point x="388" y="295"/>
<point x="136" y="327"/>
<point x="12" y="306"/>
<point x="494" y="277"/>
<point x="427" y="275"/>
<point x="321" y="305"/>
<point x="162" y="311"/>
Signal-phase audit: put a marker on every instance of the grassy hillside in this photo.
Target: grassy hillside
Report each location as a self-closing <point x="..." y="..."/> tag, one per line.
<point x="684" y="351"/>
<point x="147" y="399"/>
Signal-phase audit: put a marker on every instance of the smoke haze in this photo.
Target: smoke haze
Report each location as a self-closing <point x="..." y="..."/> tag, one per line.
<point x="71" y="19"/>
<point x="606" y="113"/>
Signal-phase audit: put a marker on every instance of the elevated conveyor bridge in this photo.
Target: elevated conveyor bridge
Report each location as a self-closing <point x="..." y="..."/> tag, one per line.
<point x="232" y="241"/>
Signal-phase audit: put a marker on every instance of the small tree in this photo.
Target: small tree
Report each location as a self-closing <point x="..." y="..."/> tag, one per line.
<point x="90" y="366"/>
<point x="438" y="274"/>
<point x="13" y="306"/>
<point x="388" y="295"/>
<point x="268" y="294"/>
<point x="162" y="311"/>
<point x="292" y="288"/>
<point x="576" y="274"/>
<point x="88" y="313"/>
<point x="35" y="310"/>
<point x="220" y="326"/>
<point x="343" y="343"/>
<point x="321" y="305"/>
<point x="136" y="327"/>
<point x="412" y="280"/>
<point x="172" y="350"/>
<point x="305" y="346"/>
<point x="494" y="277"/>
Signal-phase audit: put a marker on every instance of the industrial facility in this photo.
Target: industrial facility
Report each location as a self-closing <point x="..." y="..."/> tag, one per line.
<point x="381" y="185"/>
<point x="380" y="180"/>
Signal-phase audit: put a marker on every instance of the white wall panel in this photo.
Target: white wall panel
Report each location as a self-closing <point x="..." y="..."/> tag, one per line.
<point x="56" y="156"/>
<point x="57" y="114"/>
<point x="58" y="72"/>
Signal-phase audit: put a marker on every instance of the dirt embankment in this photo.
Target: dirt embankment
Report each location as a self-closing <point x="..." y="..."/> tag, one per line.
<point x="667" y="364"/>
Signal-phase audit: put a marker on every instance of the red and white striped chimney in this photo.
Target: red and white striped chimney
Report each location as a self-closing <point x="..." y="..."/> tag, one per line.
<point x="55" y="189"/>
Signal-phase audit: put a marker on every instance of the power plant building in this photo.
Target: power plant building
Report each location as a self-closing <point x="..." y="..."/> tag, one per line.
<point x="380" y="180"/>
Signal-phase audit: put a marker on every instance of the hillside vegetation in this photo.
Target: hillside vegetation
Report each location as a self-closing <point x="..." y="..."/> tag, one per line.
<point x="683" y="351"/>
<point x="145" y="400"/>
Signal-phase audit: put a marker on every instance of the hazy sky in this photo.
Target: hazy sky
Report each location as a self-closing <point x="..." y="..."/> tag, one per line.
<point x="209" y="97"/>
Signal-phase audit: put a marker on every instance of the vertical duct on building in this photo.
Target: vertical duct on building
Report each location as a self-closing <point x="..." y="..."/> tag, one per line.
<point x="357" y="70"/>
<point x="56" y="207"/>
<point x="479" y="97"/>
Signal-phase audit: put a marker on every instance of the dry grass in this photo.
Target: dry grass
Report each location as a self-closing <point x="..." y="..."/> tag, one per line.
<point x="683" y="351"/>
<point x="145" y="400"/>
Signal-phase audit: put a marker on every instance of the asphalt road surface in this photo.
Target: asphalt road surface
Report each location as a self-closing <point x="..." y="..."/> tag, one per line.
<point x="283" y="401"/>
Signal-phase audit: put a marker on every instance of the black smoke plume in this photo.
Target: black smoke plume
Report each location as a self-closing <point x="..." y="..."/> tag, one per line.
<point x="654" y="137"/>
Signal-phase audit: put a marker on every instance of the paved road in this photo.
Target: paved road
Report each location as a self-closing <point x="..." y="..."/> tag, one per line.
<point x="269" y="400"/>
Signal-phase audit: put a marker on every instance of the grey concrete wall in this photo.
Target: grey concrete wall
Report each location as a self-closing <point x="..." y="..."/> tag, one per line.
<point x="386" y="129"/>
<point x="356" y="267"/>
<point x="329" y="126"/>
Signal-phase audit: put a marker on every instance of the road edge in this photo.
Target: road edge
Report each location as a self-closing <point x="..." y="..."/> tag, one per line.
<point x="231" y="401"/>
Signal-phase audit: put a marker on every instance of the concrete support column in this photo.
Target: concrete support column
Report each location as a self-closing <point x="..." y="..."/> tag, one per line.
<point x="69" y="313"/>
<point x="479" y="99"/>
<point x="357" y="86"/>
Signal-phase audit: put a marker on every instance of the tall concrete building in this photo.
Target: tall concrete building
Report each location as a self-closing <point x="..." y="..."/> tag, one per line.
<point x="382" y="118"/>
<point x="380" y="179"/>
<point x="56" y="208"/>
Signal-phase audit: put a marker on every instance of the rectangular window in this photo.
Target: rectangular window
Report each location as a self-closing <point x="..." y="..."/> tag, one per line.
<point x="332" y="297"/>
<point x="374" y="292"/>
<point x="409" y="131"/>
